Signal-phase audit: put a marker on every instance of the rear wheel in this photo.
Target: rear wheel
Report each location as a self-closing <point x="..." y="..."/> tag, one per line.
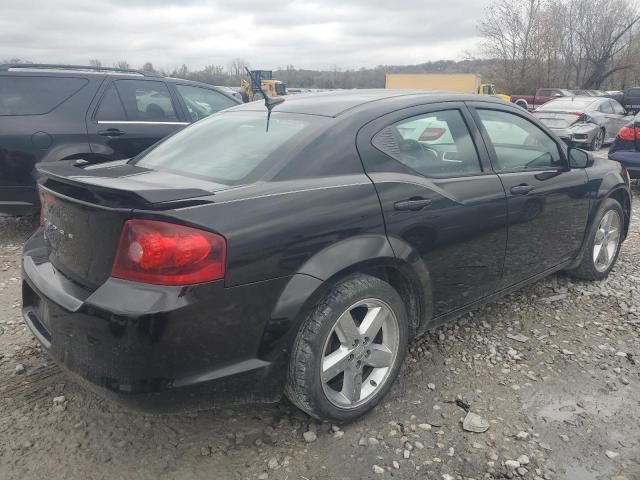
<point x="597" y="142"/>
<point x="603" y="243"/>
<point x="349" y="350"/>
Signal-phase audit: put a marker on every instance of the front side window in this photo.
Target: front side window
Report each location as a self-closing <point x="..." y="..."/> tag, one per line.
<point x="36" y="95"/>
<point x="202" y="102"/>
<point x="518" y="143"/>
<point x="146" y="101"/>
<point x="436" y="144"/>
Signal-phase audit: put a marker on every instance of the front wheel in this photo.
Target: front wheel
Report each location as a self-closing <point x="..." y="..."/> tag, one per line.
<point x="603" y="243"/>
<point x="349" y="350"/>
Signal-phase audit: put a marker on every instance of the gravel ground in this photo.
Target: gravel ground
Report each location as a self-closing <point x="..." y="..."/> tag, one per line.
<point x="553" y="371"/>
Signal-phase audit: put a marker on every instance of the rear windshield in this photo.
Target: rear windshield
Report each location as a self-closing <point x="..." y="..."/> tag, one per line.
<point x="231" y="147"/>
<point x="566" y="105"/>
<point x="28" y="95"/>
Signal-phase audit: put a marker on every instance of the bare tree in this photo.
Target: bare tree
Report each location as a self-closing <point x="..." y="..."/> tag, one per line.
<point x="94" y="62"/>
<point x="122" y="64"/>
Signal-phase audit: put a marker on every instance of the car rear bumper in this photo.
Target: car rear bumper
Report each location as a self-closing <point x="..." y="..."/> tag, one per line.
<point x="578" y="135"/>
<point x="629" y="160"/>
<point x="157" y="348"/>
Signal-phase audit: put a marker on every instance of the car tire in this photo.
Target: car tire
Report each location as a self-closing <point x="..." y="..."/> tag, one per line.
<point x="363" y="301"/>
<point x="591" y="267"/>
<point x="597" y="142"/>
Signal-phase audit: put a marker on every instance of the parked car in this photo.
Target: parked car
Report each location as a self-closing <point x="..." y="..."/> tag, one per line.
<point x="585" y="121"/>
<point x="626" y="147"/>
<point x="232" y="261"/>
<point x="631" y="100"/>
<point x="542" y="96"/>
<point x="57" y="112"/>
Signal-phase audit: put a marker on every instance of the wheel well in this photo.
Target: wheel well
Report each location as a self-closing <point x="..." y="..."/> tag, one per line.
<point x="522" y="103"/>
<point x="398" y="277"/>
<point x="622" y="197"/>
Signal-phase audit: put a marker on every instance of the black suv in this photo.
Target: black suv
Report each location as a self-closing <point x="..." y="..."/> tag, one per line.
<point x="58" y="112"/>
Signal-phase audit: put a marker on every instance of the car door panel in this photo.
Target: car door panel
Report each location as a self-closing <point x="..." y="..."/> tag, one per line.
<point x="114" y="133"/>
<point x="456" y="225"/>
<point x="547" y="203"/>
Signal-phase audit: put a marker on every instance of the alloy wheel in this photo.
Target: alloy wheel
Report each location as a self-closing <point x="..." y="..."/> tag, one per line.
<point x="359" y="353"/>
<point x="607" y="239"/>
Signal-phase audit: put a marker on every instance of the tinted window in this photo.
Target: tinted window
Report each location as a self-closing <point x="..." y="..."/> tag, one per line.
<point x="228" y="148"/>
<point x="518" y="143"/>
<point x="110" y="106"/>
<point x="544" y="93"/>
<point x="25" y="95"/>
<point x="146" y="100"/>
<point x="435" y="144"/>
<point x="202" y="102"/>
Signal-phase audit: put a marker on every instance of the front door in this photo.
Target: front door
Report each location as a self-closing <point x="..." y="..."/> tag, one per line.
<point x="130" y="116"/>
<point x="548" y="203"/>
<point x="439" y="198"/>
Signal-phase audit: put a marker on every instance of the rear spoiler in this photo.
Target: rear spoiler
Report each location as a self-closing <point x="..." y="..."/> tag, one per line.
<point x="108" y="186"/>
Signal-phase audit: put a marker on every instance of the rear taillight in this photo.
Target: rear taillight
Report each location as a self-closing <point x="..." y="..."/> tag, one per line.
<point x="164" y="253"/>
<point x="46" y="199"/>
<point x="629" y="134"/>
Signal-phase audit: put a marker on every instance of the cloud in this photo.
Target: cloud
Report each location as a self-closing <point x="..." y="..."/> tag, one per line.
<point x="306" y="34"/>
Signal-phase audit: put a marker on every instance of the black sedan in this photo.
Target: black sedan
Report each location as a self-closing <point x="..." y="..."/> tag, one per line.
<point x="233" y="262"/>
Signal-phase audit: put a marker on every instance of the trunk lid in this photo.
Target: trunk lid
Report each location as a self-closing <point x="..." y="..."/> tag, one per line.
<point x="84" y="208"/>
<point x="557" y="119"/>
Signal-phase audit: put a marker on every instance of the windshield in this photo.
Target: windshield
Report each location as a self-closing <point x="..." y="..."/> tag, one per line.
<point x="566" y="105"/>
<point x="229" y="148"/>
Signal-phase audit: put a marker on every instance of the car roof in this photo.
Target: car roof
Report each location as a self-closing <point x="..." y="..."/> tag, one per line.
<point x="335" y="103"/>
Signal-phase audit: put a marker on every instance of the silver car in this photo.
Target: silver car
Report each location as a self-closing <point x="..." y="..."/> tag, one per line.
<point x="587" y="122"/>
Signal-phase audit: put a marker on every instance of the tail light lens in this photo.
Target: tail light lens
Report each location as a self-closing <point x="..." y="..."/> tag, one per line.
<point x="629" y="134"/>
<point x="164" y="253"/>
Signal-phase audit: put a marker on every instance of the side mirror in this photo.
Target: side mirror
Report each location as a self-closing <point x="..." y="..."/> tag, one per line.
<point x="579" y="158"/>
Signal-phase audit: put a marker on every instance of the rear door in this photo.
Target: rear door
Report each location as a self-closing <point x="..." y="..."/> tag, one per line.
<point x="439" y="198"/>
<point x="129" y="116"/>
<point x="548" y="203"/>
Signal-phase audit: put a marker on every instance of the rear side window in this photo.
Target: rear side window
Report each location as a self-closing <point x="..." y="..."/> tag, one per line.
<point x="617" y="108"/>
<point x="436" y="144"/>
<point x="202" y="102"/>
<point x="146" y="101"/>
<point x="30" y="95"/>
<point x="110" y="106"/>
<point x="229" y="148"/>
<point x="605" y="107"/>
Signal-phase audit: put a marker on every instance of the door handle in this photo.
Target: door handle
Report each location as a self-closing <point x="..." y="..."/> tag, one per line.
<point x="111" y="132"/>
<point x="521" y="189"/>
<point x="412" y="204"/>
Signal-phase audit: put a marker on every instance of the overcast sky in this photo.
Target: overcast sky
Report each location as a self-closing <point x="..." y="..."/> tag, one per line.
<point x="266" y="33"/>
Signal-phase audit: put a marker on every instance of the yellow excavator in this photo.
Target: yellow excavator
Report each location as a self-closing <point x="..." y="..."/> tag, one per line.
<point x="258" y="80"/>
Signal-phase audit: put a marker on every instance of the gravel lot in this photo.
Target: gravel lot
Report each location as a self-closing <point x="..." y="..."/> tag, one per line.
<point x="553" y="369"/>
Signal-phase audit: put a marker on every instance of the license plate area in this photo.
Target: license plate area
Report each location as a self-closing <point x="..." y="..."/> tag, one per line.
<point x="36" y="314"/>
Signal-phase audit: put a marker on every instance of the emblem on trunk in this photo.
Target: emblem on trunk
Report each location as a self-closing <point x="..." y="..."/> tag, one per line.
<point x="53" y="232"/>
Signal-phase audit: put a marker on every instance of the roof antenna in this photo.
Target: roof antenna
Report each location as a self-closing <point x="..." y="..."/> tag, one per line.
<point x="269" y="102"/>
